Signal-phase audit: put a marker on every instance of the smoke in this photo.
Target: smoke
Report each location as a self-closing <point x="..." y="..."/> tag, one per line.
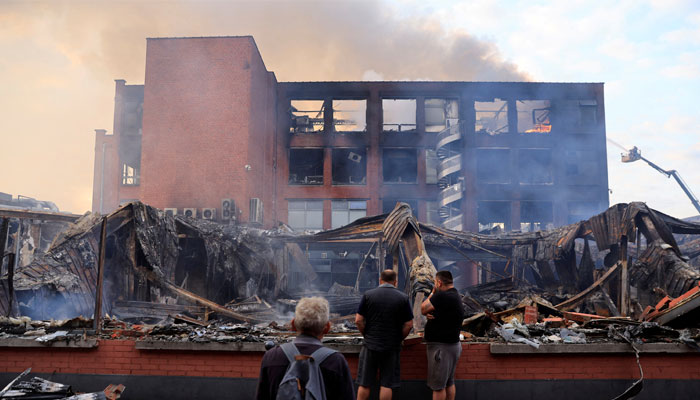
<point x="61" y="57"/>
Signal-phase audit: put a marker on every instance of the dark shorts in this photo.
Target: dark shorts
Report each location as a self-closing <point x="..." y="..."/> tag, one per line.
<point x="442" y="362"/>
<point x="387" y="362"/>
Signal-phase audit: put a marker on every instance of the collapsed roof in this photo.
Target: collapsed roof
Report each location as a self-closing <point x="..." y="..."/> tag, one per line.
<point x="153" y="257"/>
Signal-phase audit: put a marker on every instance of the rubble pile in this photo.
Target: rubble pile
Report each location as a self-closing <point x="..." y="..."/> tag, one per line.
<point x="177" y="278"/>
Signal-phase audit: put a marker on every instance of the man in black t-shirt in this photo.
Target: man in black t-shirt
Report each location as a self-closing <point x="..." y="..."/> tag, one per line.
<point x="384" y="318"/>
<point x="444" y="311"/>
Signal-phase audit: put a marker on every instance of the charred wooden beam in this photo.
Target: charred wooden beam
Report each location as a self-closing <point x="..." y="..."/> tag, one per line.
<point x="97" y="318"/>
<point x="574" y="301"/>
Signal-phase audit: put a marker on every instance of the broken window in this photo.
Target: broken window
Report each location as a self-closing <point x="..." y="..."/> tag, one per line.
<point x="349" y="166"/>
<point x="130" y="175"/>
<point x="493" y="165"/>
<point x="399" y="115"/>
<point x="306" y="166"/>
<point x="344" y="212"/>
<point x="535" y="166"/>
<point x="349" y="115"/>
<point x="305" y="215"/>
<point x="431" y="163"/>
<point x="400" y="165"/>
<point x="588" y="113"/>
<point x="582" y="210"/>
<point x="440" y="113"/>
<point x="536" y="215"/>
<point x="432" y="216"/>
<point x="491" y="117"/>
<point x="533" y="116"/>
<point x="306" y="116"/>
<point x="581" y="166"/>
<point x="389" y="204"/>
<point x="493" y="216"/>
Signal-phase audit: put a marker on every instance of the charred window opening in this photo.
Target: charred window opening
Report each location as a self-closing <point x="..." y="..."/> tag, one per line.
<point x="582" y="210"/>
<point x="130" y="175"/>
<point x="536" y="215"/>
<point x="493" y="216"/>
<point x="588" y="113"/>
<point x="349" y="115"/>
<point x="491" y="117"/>
<point x="581" y="165"/>
<point x="399" y="115"/>
<point x="349" y="166"/>
<point x="400" y="165"/>
<point x="440" y="113"/>
<point x="389" y="204"/>
<point x="306" y="166"/>
<point x="431" y="163"/>
<point x="305" y="215"/>
<point x="344" y="212"/>
<point x="535" y="166"/>
<point x="533" y="116"/>
<point x="306" y="116"/>
<point x="493" y="165"/>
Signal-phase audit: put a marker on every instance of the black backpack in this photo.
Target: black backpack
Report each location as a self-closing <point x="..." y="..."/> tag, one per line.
<point x="303" y="379"/>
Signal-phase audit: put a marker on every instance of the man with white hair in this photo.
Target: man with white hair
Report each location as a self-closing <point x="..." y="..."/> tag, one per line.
<point x="311" y="321"/>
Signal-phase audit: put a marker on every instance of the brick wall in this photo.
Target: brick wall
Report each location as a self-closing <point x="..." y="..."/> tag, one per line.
<point x="197" y="122"/>
<point x="120" y="357"/>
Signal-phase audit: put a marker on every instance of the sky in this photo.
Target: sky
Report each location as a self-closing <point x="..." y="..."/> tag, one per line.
<point x="60" y="59"/>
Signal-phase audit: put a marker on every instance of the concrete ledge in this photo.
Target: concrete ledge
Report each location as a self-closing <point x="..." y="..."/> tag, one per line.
<point x="230" y="346"/>
<point x="31" y="342"/>
<point x="592" y="348"/>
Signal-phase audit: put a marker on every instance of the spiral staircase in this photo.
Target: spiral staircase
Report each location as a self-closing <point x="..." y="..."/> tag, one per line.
<point x="450" y="179"/>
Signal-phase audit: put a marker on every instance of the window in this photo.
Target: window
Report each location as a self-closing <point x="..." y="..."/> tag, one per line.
<point x="399" y="115"/>
<point x="349" y="166"/>
<point x="305" y="215"/>
<point x="306" y="116"/>
<point x="400" y="165"/>
<point x="432" y="216"/>
<point x="491" y="117"/>
<point x="535" y="215"/>
<point x="349" y="115"/>
<point x="306" y="166"/>
<point x="493" y="216"/>
<point x="581" y="166"/>
<point x="535" y="166"/>
<point x="130" y="175"/>
<point x="344" y="212"/>
<point x="533" y="116"/>
<point x="389" y="204"/>
<point x="493" y="165"/>
<point x="440" y="113"/>
<point x="431" y="163"/>
<point x="588" y="110"/>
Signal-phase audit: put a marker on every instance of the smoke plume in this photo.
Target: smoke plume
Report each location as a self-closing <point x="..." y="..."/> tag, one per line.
<point x="60" y="59"/>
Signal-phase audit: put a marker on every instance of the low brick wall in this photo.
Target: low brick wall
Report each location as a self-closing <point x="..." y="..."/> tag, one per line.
<point x="478" y="363"/>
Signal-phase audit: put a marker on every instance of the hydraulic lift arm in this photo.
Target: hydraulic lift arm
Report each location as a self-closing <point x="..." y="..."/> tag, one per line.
<point x="635" y="154"/>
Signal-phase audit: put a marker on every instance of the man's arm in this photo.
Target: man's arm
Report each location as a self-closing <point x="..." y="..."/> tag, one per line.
<point x="360" y="322"/>
<point x="427" y="307"/>
<point x="347" y="389"/>
<point x="406" y="329"/>
<point x="263" y="390"/>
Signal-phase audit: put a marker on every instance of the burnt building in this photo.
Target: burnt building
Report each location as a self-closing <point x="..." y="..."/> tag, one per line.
<point x="213" y="134"/>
